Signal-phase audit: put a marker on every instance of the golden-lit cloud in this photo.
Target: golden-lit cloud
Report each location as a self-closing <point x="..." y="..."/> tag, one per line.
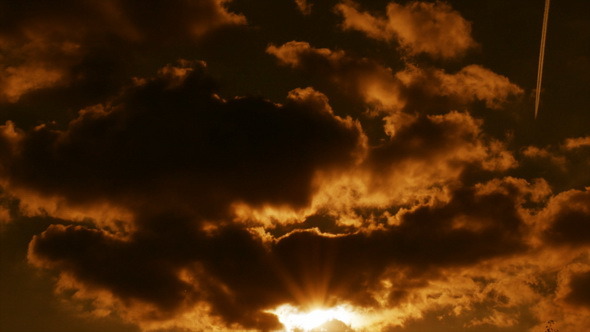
<point x="20" y="80"/>
<point x="471" y="83"/>
<point x="217" y="165"/>
<point x="419" y="27"/>
<point x="413" y="88"/>
<point x="418" y="168"/>
<point x="578" y="142"/>
<point x="375" y="84"/>
<point x="535" y="152"/>
<point x="304" y="6"/>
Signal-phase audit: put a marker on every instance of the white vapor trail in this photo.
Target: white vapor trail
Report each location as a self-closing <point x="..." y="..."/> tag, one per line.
<point x="541" y="57"/>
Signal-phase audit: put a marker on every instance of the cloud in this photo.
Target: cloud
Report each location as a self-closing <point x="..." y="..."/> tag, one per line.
<point x="372" y="82"/>
<point x="46" y="47"/>
<point x="471" y="83"/>
<point x="421" y="161"/>
<point x="174" y="138"/>
<point x="575" y="143"/>
<point x="563" y="165"/>
<point x="168" y="148"/>
<point x="7" y="208"/>
<point x="153" y="279"/>
<point x="419" y="27"/>
<point x="169" y="265"/>
<point x="178" y="157"/>
<point x="433" y="151"/>
<point x="173" y="154"/>
<point x="394" y="186"/>
<point x="304" y="6"/>
<point x="580" y="289"/>
<point x="567" y="217"/>
<point x="411" y="89"/>
<point x="17" y="81"/>
<point x="540" y="153"/>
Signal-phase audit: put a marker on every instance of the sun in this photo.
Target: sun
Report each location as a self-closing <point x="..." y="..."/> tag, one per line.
<point x="296" y="320"/>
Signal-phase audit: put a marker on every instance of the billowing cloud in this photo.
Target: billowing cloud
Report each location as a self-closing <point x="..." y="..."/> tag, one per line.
<point x="413" y="88"/>
<point x="374" y="83"/>
<point x="47" y="47"/>
<point x="434" y="255"/>
<point x="175" y="129"/>
<point x="169" y="266"/>
<point x="553" y="162"/>
<point x="300" y="177"/>
<point x="567" y="217"/>
<point x="471" y="83"/>
<point x="433" y="28"/>
<point x="580" y="286"/>
<point x="431" y="151"/>
<point x="172" y="140"/>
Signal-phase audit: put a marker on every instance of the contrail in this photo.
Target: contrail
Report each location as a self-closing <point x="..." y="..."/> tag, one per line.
<point x="541" y="57"/>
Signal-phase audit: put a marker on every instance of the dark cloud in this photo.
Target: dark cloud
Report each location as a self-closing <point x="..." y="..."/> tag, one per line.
<point x="172" y="138"/>
<point x="178" y="156"/>
<point x="240" y="275"/>
<point x="580" y="289"/>
<point x="89" y="49"/>
<point x="77" y="21"/>
<point x="568" y="218"/>
<point x="562" y="165"/>
<point x="159" y="276"/>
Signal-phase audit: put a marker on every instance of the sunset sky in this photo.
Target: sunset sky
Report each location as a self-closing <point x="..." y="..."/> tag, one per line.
<point x="293" y="165"/>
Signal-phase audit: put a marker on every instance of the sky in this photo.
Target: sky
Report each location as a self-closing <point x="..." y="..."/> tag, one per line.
<point x="296" y="165"/>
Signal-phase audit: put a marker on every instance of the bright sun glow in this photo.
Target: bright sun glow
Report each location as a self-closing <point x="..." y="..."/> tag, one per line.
<point x="294" y="319"/>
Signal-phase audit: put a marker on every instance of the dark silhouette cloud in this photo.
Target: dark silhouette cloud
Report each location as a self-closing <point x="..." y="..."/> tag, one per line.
<point x="580" y="289"/>
<point x="568" y="218"/>
<point x="88" y="50"/>
<point x="240" y="275"/>
<point x="172" y="138"/>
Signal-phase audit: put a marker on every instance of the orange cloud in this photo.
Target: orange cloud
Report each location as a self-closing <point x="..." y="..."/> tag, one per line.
<point x="377" y="184"/>
<point x="419" y="27"/>
<point x="574" y="143"/>
<point x="469" y="84"/>
<point x="535" y="152"/>
<point x="563" y="165"/>
<point x="374" y="83"/>
<point x="16" y="81"/>
<point x="566" y="218"/>
<point x="412" y="89"/>
<point x="418" y="164"/>
<point x="304" y="6"/>
<point x="46" y="48"/>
